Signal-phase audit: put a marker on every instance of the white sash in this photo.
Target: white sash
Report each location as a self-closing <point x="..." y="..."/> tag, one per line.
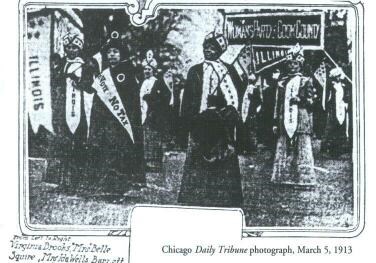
<point x="88" y="105"/>
<point x="215" y="72"/>
<point x="88" y="97"/>
<point x="107" y="92"/>
<point x="169" y="81"/>
<point x="181" y="95"/>
<point x="291" y="111"/>
<point x="98" y="58"/>
<point x="340" y="104"/>
<point x="246" y="103"/>
<point x="146" y="89"/>
<point x="73" y="95"/>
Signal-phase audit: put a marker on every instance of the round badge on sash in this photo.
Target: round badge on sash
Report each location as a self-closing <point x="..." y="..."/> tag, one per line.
<point x="115" y="35"/>
<point x="120" y="77"/>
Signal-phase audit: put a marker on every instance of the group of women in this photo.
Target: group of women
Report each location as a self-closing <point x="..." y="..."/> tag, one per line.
<point x="101" y="117"/>
<point x="104" y="141"/>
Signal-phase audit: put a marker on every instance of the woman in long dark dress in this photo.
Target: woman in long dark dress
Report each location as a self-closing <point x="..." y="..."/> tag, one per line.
<point x="66" y="150"/>
<point x="209" y="110"/>
<point x="251" y="106"/>
<point x="337" y="125"/>
<point x="156" y="113"/>
<point x="116" y="136"/>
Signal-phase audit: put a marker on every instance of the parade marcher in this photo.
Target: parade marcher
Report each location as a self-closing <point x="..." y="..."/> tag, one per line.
<point x="68" y="82"/>
<point x="337" y="126"/>
<point x="266" y="117"/>
<point x="177" y="133"/>
<point x="293" y="160"/>
<point x="155" y="97"/>
<point x="251" y="107"/>
<point x="320" y="110"/>
<point x="211" y="99"/>
<point x="116" y="135"/>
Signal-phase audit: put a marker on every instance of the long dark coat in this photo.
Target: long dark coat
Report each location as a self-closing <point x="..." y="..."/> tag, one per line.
<point x="159" y="110"/>
<point x="205" y="183"/>
<point x="335" y="141"/>
<point x="158" y="124"/>
<point x="116" y="162"/>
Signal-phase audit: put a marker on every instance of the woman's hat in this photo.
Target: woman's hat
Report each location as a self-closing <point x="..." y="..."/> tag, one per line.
<point x="76" y="39"/>
<point x="218" y="39"/>
<point x="150" y="60"/>
<point x="336" y="72"/>
<point x="295" y="54"/>
<point x="114" y="41"/>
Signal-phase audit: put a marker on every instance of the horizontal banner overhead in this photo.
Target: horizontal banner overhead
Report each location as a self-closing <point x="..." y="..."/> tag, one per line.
<point x="276" y="29"/>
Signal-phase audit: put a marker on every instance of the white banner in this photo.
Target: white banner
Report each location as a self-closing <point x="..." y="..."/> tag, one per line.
<point x="106" y="91"/>
<point x="291" y="111"/>
<point x="38" y="95"/>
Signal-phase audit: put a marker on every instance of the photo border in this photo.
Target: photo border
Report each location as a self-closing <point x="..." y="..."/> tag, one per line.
<point x="358" y="155"/>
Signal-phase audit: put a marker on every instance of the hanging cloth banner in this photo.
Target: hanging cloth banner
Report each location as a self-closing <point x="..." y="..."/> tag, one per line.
<point x="107" y="92"/>
<point x="291" y="111"/>
<point x="37" y="71"/>
<point x="276" y="29"/>
<point x="266" y="57"/>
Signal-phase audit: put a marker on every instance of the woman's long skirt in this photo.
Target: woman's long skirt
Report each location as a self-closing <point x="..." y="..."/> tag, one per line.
<point x="210" y="184"/>
<point x="293" y="161"/>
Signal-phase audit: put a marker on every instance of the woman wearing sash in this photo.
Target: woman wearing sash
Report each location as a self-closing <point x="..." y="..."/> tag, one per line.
<point x="210" y="102"/>
<point x="336" y="132"/>
<point x="251" y="107"/>
<point x="69" y="84"/>
<point x="155" y="98"/>
<point x="293" y="161"/>
<point x="116" y="136"/>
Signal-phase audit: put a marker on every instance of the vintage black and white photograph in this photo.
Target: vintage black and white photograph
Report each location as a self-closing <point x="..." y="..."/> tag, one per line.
<point x="247" y="106"/>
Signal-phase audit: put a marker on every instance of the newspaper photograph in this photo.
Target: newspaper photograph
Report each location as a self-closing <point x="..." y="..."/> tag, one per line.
<point x="230" y="120"/>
